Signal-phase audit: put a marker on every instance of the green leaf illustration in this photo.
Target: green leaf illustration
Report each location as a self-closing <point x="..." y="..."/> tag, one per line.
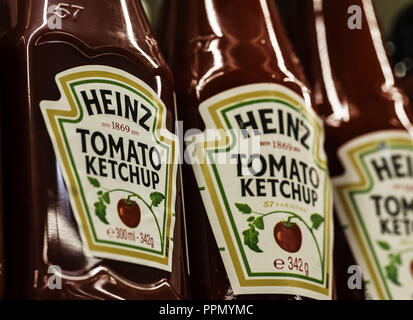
<point x="156" y="198"/>
<point x="384" y="245"/>
<point x="398" y="259"/>
<point x="100" y="210"/>
<point x="393" y="274"/>
<point x="250" y="219"/>
<point x="395" y="259"/>
<point x="317" y="220"/>
<point x="94" y="182"/>
<point x="106" y="197"/>
<point x="251" y="239"/>
<point x="243" y="208"/>
<point x="259" y="223"/>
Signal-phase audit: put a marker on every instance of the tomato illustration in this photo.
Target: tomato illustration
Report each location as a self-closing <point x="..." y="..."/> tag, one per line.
<point x="288" y="236"/>
<point x="129" y="212"/>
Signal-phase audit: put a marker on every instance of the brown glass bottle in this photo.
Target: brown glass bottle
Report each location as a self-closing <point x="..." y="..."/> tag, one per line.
<point x="219" y="46"/>
<point x="340" y="46"/>
<point x="93" y="38"/>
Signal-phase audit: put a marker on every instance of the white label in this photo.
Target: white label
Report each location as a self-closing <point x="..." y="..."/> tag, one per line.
<point x="374" y="200"/>
<point x="118" y="161"/>
<point x="262" y="174"/>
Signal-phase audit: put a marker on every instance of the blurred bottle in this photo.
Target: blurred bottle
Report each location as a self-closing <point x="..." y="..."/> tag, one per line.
<point x="264" y="234"/>
<point x="368" y="141"/>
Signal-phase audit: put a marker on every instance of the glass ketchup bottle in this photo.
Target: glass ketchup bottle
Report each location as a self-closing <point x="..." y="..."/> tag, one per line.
<point x="369" y="142"/>
<point x="259" y="217"/>
<point x="93" y="191"/>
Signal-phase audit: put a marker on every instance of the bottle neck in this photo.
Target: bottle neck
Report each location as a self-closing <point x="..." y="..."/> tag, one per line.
<point x="352" y="66"/>
<point x="354" y="41"/>
<point x="245" y="32"/>
<point x="92" y="15"/>
<point x="243" y="20"/>
<point x="345" y="64"/>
